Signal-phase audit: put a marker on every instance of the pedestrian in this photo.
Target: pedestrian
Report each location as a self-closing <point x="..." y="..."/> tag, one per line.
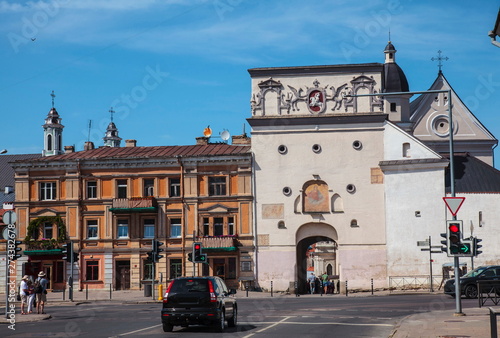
<point x="312" y="282"/>
<point x="23" y="292"/>
<point x="338" y="286"/>
<point x="324" y="280"/>
<point x="41" y="284"/>
<point x="31" y="295"/>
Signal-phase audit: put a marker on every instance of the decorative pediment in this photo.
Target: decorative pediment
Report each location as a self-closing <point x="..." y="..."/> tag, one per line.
<point x="217" y="209"/>
<point x="270" y="83"/>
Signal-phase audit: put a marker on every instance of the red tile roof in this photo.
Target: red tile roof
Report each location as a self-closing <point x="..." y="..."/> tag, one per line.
<point x="211" y="149"/>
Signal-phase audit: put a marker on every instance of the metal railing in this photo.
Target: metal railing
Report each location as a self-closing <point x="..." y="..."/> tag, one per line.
<point x="488" y="290"/>
<point x="413" y="283"/>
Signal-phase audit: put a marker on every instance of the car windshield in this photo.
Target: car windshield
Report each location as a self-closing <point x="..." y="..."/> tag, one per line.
<point x="190" y="285"/>
<point x="475" y="272"/>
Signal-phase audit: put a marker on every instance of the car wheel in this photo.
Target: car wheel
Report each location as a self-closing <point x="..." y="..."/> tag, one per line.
<point x="221" y="324"/>
<point x="167" y="327"/>
<point x="231" y="322"/>
<point x="470" y="291"/>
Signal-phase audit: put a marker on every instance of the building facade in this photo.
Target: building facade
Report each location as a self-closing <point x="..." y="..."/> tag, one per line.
<point x="111" y="202"/>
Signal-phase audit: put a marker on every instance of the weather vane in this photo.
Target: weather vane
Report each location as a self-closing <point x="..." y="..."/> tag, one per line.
<point x="53" y="95"/>
<point x="439" y="59"/>
<point x="111" y="111"/>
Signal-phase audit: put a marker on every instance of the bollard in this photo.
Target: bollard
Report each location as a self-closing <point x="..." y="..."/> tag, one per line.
<point x="271" y="288"/>
<point x="160" y="291"/>
<point x="246" y="288"/>
<point x="64" y="294"/>
<point x="87" y="292"/>
<point x="372" y="286"/>
<point x="346" y="291"/>
<point x="296" y="285"/>
<point x="110" y="290"/>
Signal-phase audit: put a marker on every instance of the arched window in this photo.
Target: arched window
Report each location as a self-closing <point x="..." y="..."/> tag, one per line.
<point x="49" y="142"/>
<point x="337" y="203"/>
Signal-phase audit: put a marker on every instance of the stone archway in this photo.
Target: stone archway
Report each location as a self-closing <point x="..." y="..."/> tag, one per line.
<point x="307" y="235"/>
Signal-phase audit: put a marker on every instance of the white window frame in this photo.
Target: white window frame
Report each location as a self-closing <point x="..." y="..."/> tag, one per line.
<point x="92" y="226"/>
<point x="122" y="224"/>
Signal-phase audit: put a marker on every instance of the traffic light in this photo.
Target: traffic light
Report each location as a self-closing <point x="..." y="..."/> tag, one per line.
<point x="444" y="242"/>
<point x="477" y="246"/>
<point x="15" y="255"/>
<point x="198" y="255"/>
<point x="190" y="256"/>
<point x="454" y="236"/>
<point x="157" y="250"/>
<point x="75" y="257"/>
<point x="68" y="251"/>
<point x="151" y="255"/>
<point x="457" y="246"/>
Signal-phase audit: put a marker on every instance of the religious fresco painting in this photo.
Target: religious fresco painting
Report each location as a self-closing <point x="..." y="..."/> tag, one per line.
<point x="316" y="197"/>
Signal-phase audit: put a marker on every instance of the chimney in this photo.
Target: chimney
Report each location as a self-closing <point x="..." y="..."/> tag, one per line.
<point x="202" y="141"/>
<point x="130" y="143"/>
<point x="87" y="146"/>
<point x="69" y="149"/>
<point x="241" y="140"/>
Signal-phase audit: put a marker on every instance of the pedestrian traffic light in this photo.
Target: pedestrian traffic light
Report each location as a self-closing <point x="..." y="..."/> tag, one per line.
<point x="477" y="246"/>
<point x="157" y="250"/>
<point x="14" y="254"/>
<point x="198" y="255"/>
<point x="67" y="251"/>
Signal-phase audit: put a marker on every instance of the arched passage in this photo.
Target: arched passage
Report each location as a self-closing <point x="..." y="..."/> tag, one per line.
<point x="307" y="235"/>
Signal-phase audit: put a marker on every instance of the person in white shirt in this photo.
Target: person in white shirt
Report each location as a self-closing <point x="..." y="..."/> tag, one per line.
<point x="23" y="292"/>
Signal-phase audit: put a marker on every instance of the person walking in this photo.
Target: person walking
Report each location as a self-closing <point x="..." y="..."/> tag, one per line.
<point x="31" y="295"/>
<point x="312" y="283"/>
<point x="41" y="284"/>
<point x="324" y="281"/>
<point x="23" y="292"/>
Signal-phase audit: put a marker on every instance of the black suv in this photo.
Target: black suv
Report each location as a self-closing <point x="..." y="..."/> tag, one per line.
<point x="468" y="282"/>
<point x="198" y="301"/>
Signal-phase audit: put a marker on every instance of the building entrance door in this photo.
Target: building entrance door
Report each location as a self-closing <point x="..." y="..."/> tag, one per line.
<point x="122" y="275"/>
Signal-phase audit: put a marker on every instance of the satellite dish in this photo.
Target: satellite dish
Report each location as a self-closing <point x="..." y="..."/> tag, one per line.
<point x="225" y="135"/>
<point x="207" y="132"/>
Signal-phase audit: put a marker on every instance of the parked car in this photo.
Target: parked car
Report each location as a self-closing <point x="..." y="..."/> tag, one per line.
<point x="198" y="301"/>
<point x="468" y="282"/>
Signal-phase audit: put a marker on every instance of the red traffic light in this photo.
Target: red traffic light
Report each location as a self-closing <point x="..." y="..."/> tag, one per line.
<point x="197" y="246"/>
<point x="454" y="227"/>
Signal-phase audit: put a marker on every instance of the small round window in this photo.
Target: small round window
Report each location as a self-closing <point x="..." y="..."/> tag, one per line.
<point x="282" y="149"/>
<point x="357" y="145"/>
<point x="287" y="191"/>
<point x="316" y="148"/>
<point x="351" y="188"/>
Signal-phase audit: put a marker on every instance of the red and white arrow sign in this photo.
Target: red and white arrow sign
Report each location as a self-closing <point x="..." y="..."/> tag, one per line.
<point x="454" y="203"/>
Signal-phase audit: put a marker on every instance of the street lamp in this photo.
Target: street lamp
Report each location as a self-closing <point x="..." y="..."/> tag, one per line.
<point x="3" y="151"/>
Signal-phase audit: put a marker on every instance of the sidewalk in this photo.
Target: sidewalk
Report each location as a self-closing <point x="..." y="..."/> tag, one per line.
<point x="475" y="323"/>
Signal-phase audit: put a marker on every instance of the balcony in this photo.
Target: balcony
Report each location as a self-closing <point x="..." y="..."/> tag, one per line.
<point x="134" y="204"/>
<point x="219" y="243"/>
<point x="43" y="247"/>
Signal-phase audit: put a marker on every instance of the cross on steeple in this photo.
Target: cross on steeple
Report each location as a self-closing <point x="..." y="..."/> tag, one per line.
<point x="53" y="96"/>
<point x="440" y="58"/>
<point x="111" y="111"/>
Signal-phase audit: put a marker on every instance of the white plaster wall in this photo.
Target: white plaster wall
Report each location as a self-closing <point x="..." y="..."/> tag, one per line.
<point x="406" y="193"/>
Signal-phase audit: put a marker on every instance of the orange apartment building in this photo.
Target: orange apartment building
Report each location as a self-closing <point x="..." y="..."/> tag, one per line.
<point x="111" y="202"/>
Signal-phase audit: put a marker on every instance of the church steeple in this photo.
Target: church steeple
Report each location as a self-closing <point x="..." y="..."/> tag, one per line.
<point x="111" y="138"/>
<point x="52" y="132"/>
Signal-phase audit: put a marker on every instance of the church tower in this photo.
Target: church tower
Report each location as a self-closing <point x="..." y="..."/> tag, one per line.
<point x="52" y="132"/>
<point x="394" y="81"/>
<point x="111" y="138"/>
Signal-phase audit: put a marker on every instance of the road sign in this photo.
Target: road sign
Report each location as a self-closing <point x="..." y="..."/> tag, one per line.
<point x="454" y="203"/>
<point x="9" y="217"/>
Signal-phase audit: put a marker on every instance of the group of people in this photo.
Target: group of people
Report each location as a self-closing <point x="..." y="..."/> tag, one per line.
<point x="322" y="284"/>
<point x="32" y="291"/>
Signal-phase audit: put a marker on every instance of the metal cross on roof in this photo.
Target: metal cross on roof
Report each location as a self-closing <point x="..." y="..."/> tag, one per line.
<point x="440" y="58"/>
<point x="53" y="96"/>
<point x="111" y="111"/>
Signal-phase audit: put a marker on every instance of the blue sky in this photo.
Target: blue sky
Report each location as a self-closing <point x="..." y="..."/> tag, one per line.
<point x="170" y="68"/>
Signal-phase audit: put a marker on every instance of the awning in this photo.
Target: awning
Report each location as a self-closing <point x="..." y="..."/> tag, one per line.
<point x="42" y="252"/>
